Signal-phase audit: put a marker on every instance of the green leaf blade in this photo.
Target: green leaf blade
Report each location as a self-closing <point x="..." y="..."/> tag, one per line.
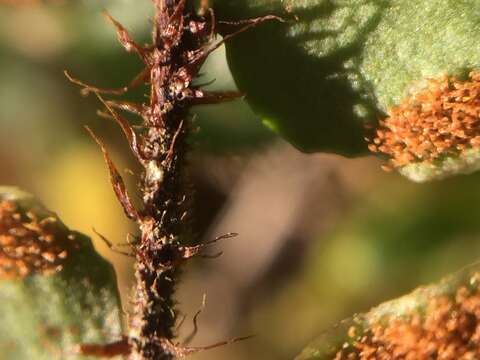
<point x="401" y="310"/>
<point x="45" y="316"/>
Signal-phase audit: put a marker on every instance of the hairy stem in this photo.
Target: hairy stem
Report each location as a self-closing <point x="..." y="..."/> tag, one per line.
<point x="166" y="194"/>
<point x="182" y="39"/>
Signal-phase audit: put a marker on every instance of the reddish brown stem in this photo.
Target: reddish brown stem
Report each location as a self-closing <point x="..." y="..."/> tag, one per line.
<point x="182" y="41"/>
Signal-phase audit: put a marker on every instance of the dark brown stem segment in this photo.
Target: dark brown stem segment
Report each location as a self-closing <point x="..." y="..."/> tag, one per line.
<point x="173" y="60"/>
<point x="182" y="40"/>
<point x="181" y="43"/>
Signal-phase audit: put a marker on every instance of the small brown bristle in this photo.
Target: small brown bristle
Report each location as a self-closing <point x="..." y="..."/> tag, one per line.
<point x="29" y="245"/>
<point x="441" y="121"/>
<point x="448" y="328"/>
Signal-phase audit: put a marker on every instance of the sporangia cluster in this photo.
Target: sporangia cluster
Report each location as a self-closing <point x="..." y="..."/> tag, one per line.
<point x="440" y="121"/>
<point x="448" y="328"/>
<point x="29" y="244"/>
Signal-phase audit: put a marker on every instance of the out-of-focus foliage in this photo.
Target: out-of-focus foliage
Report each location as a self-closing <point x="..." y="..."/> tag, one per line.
<point x="395" y="237"/>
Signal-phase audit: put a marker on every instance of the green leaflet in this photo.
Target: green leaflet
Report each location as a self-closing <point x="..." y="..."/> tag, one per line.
<point x="44" y="317"/>
<point x="331" y="341"/>
<point x="321" y="79"/>
<point x="302" y="78"/>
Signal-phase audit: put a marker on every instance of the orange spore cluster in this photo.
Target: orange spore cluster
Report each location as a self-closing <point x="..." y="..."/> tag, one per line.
<point x="449" y="329"/>
<point x="29" y="245"/>
<point x="440" y="121"/>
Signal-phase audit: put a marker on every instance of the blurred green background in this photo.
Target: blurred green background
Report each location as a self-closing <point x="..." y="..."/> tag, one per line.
<point x="321" y="236"/>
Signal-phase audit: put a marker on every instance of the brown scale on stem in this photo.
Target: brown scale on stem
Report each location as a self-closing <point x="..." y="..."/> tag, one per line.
<point x="182" y="39"/>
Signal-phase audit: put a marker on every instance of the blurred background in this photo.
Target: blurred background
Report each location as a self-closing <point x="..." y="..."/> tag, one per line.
<point x="321" y="236"/>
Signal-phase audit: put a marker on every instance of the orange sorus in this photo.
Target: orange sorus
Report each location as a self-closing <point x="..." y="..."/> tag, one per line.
<point x="440" y="121"/>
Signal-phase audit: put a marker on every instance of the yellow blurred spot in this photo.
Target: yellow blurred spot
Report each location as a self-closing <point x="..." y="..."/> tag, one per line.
<point x="34" y="31"/>
<point x="77" y="187"/>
